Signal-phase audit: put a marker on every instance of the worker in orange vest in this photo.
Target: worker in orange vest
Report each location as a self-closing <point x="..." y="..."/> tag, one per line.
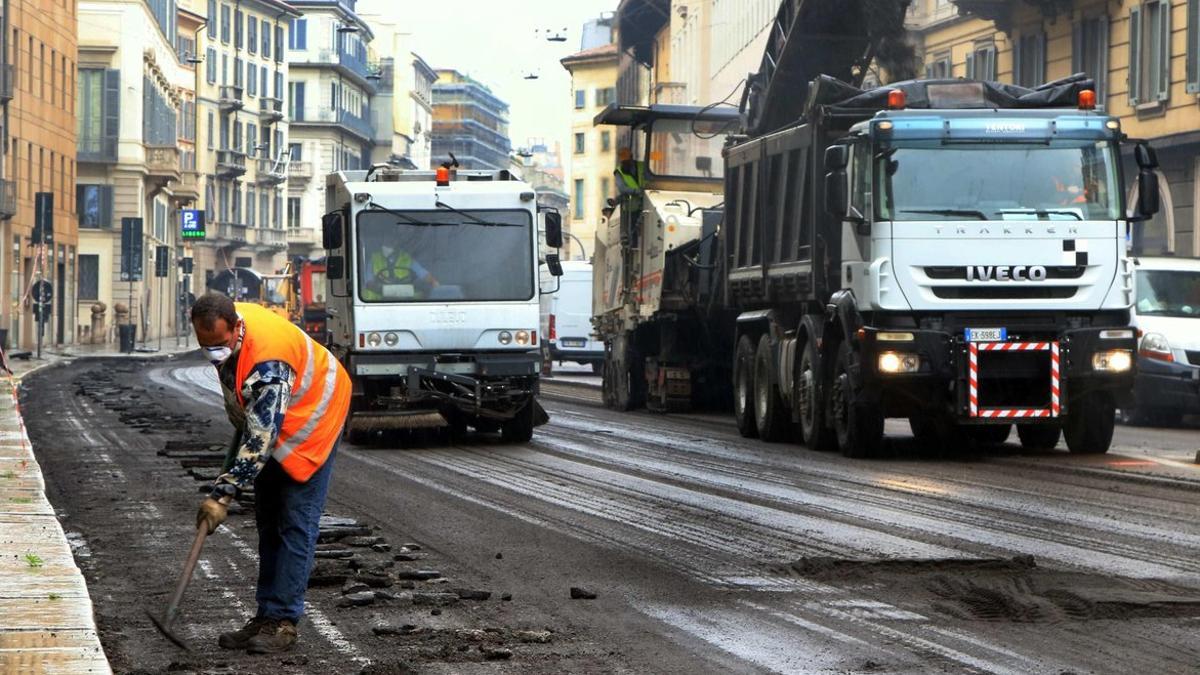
<point x="288" y="398"/>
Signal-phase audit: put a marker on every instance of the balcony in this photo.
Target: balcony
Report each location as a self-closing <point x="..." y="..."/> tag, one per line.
<point x="230" y="233"/>
<point x="303" y="236"/>
<point x="162" y="162"/>
<point x="343" y="118"/>
<point x="188" y="187"/>
<point x="96" y="150"/>
<point x="270" y="110"/>
<point x="271" y="171"/>
<point x="230" y="98"/>
<point x="270" y="238"/>
<point x="231" y="163"/>
<point x="8" y="199"/>
<point x="363" y="73"/>
<point x="300" y="171"/>
<point x="7" y="82"/>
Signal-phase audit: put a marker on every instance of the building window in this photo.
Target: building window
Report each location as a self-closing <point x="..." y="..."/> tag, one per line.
<point x="981" y="62"/>
<point x="278" y="44"/>
<point x="1150" y="52"/>
<point x="578" y="198"/>
<point x="210" y="65"/>
<point x="579" y="144"/>
<point x="252" y="35"/>
<point x="212" y="25"/>
<point x="295" y="152"/>
<point x="251" y="79"/>
<point x="1193" y="50"/>
<point x="939" y="67"/>
<point x="237" y="71"/>
<point x="89" y="277"/>
<point x="605" y="141"/>
<point x="238" y="21"/>
<point x="210" y="130"/>
<point x="293" y="214"/>
<point x="98" y="113"/>
<point x="251" y="207"/>
<point x="580" y="99"/>
<point x="296" y="101"/>
<point x="1089" y="51"/>
<point x="94" y="204"/>
<point x="604" y="192"/>
<point x="298" y="36"/>
<point x="266" y="39"/>
<point x="1029" y="59"/>
<point x="605" y="96"/>
<point x="225" y="24"/>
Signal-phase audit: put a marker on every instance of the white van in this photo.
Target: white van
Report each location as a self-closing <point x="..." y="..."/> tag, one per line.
<point x="567" y="318"/>
<point x="1167" y="314"/>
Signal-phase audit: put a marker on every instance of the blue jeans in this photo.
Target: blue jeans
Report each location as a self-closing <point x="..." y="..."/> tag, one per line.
<point x="288" y="514"/>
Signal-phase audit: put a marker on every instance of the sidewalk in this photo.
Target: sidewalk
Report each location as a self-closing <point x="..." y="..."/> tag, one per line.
<point x="46" y="620"/>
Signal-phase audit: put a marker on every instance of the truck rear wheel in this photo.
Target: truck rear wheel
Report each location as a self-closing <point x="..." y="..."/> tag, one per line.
<point x="743" y="388"/>
<point x="519" y="429"/>
<point x="814" y="432"/>
<point x="1038" y="436"/>
<point x="859" y="428"/>
<point x="1089" y="427"/>
<point x="770" y="414"/>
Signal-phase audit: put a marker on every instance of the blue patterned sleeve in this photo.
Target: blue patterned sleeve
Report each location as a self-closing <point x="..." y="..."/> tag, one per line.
<point x="267" y="392"/>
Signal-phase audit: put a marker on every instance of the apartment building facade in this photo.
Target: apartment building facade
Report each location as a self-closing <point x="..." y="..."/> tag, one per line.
<point x="593" y="150"/>
<point x="469" y="121"/>
<point x="330" y="87"/>
<point x="38" y="97"/>
<point x="1143" y="54"/>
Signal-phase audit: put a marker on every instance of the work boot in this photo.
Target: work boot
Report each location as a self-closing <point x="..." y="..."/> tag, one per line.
<point x="240" y="639"/>
<point x="274" y="636"/>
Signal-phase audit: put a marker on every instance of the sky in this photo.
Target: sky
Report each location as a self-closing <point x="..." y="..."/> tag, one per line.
<point x="496" y="43"/>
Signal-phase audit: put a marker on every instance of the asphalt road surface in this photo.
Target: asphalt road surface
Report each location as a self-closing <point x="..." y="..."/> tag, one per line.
<point x="707" y="552"/>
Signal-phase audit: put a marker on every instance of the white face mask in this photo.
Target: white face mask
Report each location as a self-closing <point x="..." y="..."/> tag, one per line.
<point x="218" y="355"/>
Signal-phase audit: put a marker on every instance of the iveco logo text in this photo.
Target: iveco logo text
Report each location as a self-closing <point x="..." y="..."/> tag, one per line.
<point x="1004" y="128"/>
<point x="1006" y="273"/>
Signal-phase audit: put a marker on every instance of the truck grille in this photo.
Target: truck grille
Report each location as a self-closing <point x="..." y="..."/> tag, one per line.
<point x="959" y="272"/>
<point x="1004" y="292"/>
<point x="1193" y="357"/>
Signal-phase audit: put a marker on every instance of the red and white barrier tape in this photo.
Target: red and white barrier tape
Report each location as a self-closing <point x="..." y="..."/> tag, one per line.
<point x="1013" y="413"/>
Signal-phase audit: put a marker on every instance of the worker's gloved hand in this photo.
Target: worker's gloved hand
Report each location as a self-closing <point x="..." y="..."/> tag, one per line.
<point x="211" y="514"/>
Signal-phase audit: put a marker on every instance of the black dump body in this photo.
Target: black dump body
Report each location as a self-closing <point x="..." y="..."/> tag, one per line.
<point x="778" y="244"/>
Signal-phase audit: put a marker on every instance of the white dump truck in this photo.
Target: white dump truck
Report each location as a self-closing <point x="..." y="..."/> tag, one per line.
<point x="433" y="297"/>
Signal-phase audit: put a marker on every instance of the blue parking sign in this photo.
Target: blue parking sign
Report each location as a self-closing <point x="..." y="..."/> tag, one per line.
<point x="192" y="221"/>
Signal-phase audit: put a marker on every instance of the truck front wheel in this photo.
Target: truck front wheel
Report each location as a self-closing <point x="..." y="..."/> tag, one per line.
<point x="859" y="428"/>
<point x="743" y="388"/>
<point x="1089" y="427"/>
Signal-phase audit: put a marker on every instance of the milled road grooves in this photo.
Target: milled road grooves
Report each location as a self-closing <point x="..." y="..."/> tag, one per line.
<point x="707" y="552"/>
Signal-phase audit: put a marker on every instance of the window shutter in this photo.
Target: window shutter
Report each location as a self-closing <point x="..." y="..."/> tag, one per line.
<point x="1077" y="64"/>
<point x="106" y="206"/>
<point x="971" y="66"/>
<point x="1102" y="27"/>
<point x="1018" y="50"/>
<point x="1164" y="46"/>
<point x="112" y="111"/>
<point x="1135" y="55"/>
<point x="1040" y="44"/>
<point x="80" y="201"/>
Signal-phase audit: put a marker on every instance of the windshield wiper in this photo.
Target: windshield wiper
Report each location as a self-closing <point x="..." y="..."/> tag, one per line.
<point x="1043" y="213"/>
<point x="472" y="218"/>
<point x="974" y="213"/>
<point x="403" y="216"/>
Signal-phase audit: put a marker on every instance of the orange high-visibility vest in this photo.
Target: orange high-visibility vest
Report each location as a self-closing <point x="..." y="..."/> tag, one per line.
<point x="320" y="395"/>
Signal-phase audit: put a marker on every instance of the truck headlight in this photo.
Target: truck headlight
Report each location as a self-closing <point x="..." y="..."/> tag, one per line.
<point x="391" y="339"/>
<point x="505" y="337"/>
<point x="1112" y="361"/>
<point x="374" y="339"/>
<point x="522" y="337"/>
<point x="1155" y="346"/>
<point x="892" y="363"/>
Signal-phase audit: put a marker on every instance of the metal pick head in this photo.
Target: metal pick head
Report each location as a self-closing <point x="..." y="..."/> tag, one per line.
<point x="166" y="631"/>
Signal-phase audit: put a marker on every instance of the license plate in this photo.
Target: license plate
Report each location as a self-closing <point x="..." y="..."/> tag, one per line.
<point x="574" y="343"/>
<point x="987" y="334"/>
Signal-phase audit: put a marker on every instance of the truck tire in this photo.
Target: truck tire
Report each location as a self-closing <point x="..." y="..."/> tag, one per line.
<point x="770" y="413"/>
<point x="597" y="367"/>
<point x="625" y="372"/>
<point x="859" y="429"/>
<point x="519" y="429"/>
<point x="1089" y="428"/>
<point x="814" y="432"/>
<point x="1038" y="436"/>
<point x="743" y="388"/>
<point x="990" y="434"/>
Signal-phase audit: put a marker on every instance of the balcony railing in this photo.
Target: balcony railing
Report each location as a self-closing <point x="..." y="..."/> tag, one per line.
<point x="7" y="82"/>
<point x="8" y="199"/>
<point x="98" y="150"/>
<point x="271" y="171"/>
<point x="300" y="170"/>
<point x="230" y="98"/>
<point x="162" y="161"/>
<point x="231" y="163"/>
<point x="271" y="238"/>
<point x="302" y="235"/>
<point x="231" y="232"/>
<point x="352" y="123"/>
<point x="367" y="73"/>
<point x="188" y="187"/>
<point x="270" y="109"/>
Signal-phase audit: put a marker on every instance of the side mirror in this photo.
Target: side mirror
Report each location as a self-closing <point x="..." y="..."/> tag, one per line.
<point x="335" y="267"/>
<point x="837" y="198"/>
<point x="554" y="232"/>
<point x="554" y="265"/>
<point x="836" y="157"/>
<point x="332" y="231"/>
<point x="1148" y="197"/>
<point x="1146" y="157"/>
